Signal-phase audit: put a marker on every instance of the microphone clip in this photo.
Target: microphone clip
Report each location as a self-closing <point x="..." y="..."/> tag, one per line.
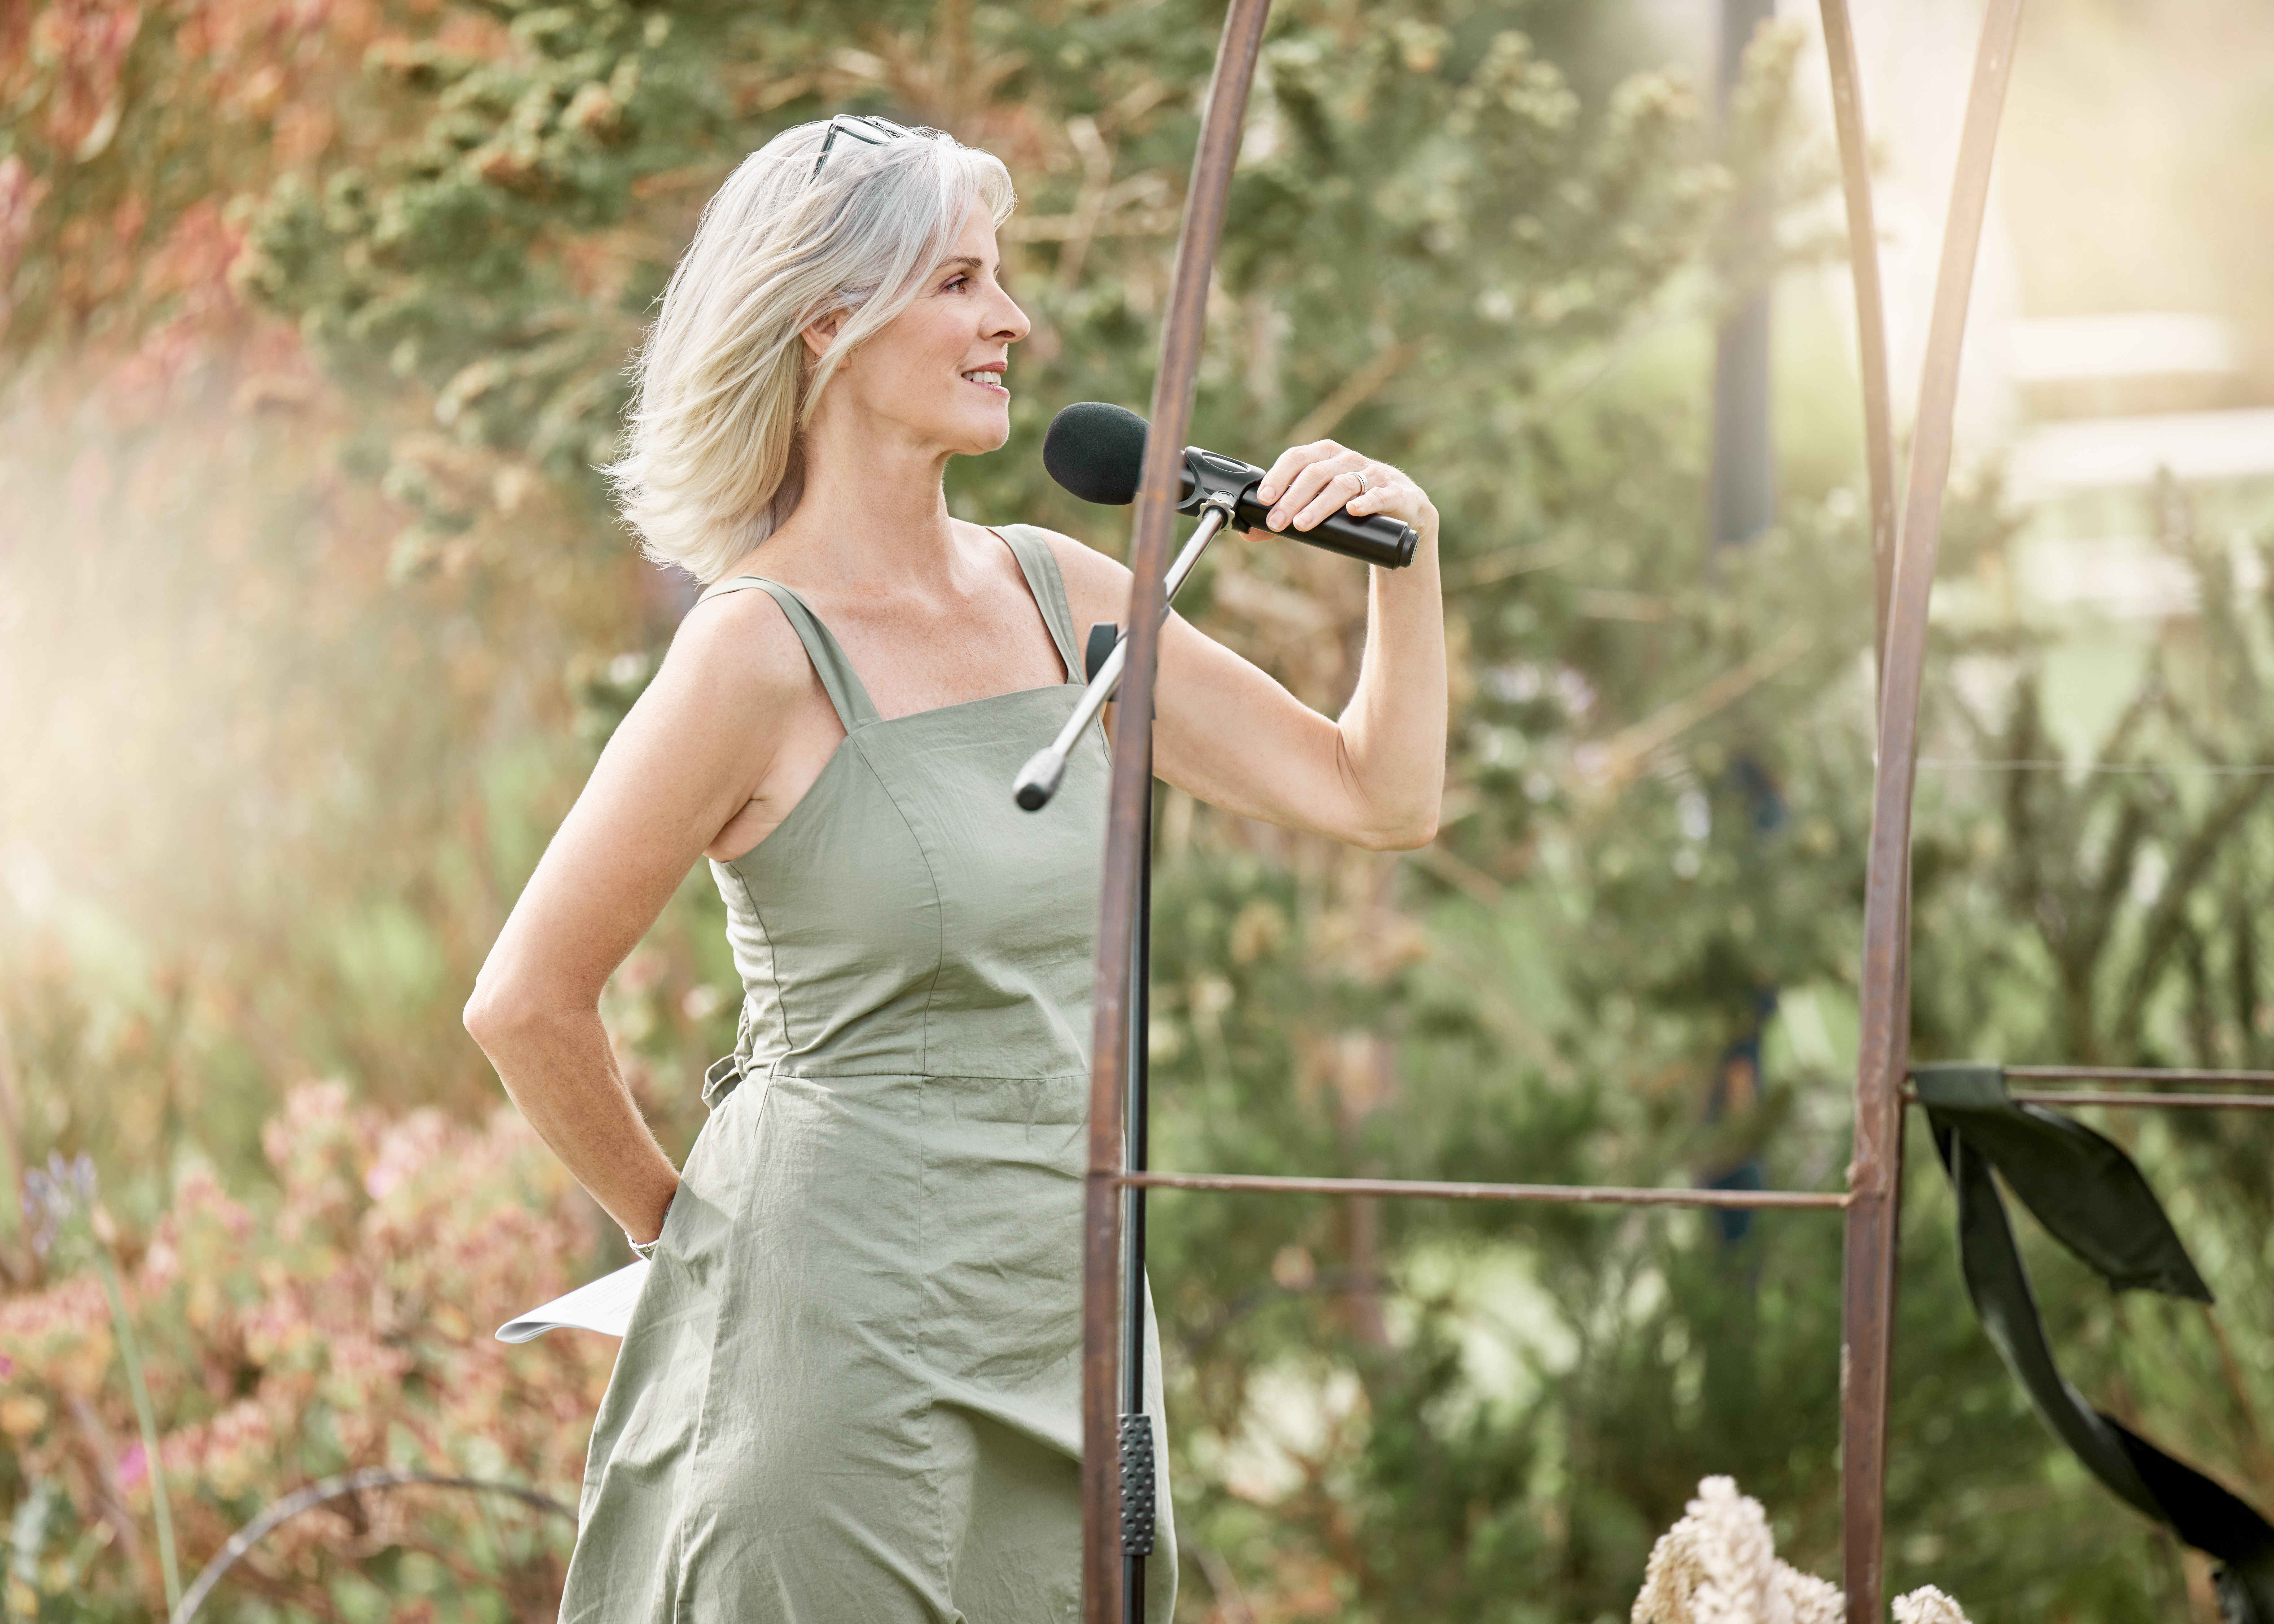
<point x="1211" y="480"/>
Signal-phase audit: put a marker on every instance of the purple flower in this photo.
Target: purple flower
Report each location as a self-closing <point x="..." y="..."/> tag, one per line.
<point x="57" y="1196"/>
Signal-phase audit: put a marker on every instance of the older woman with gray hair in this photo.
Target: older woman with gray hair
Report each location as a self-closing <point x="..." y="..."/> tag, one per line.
<point x="850" y="1388"/>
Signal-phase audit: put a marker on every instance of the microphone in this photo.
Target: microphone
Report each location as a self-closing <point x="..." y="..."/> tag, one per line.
<point x="1098" y="451"/>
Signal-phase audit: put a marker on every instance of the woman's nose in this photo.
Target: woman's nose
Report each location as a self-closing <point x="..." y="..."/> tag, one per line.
<point x="1010" y="322"/>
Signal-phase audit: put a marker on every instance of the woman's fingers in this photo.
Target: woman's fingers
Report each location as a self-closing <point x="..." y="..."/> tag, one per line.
<point x="1290" y="462"/>
<point x="1336" y="488"/>
<point x="1305" y="476"/>
<point x="1299" y="472"/>
<point x="1307" y="484"/>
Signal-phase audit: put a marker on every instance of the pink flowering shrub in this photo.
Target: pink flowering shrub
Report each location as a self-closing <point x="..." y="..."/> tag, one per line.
<point x="342" y="1322"/>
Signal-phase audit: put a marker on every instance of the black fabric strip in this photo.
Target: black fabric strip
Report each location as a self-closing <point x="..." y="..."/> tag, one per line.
<point x="2091" y="1198"/>
<point x="2081" y="1186"/>
<point x="1999" y="1285"/>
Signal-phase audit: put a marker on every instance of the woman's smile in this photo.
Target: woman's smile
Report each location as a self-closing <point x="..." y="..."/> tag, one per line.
<point x="989" y="378"/>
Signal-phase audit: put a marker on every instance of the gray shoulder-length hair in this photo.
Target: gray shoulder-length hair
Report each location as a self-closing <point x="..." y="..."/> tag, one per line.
<point x="712" y="464"/>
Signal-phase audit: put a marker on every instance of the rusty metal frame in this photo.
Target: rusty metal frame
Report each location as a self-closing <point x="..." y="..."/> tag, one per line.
<point x="1904" y="571"/>
<point x="1874" y="1216"/>
<point x="1871" y="304"/>
<point x="1875" y="1173"/>
<point x="1131" y="797"/>
<point x="2117" y="1100"/>
<point x="2137" y="1074"/>
<point x="2145" y="1101"/>
<point x="1431" y="1190"/>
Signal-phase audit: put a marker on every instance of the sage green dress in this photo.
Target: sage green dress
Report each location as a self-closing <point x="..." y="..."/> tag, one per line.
<point x="850" y="1392"/>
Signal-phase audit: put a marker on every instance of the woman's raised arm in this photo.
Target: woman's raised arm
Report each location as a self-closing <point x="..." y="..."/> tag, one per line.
<point x="1231" y="735"/>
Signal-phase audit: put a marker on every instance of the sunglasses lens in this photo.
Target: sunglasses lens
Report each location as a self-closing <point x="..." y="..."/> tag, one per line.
<point x="865" y="128"/>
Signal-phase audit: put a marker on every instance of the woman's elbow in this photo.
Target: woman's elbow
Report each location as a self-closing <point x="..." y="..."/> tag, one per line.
<point x="1408" y="832"/>
<point x="496" y="1011"/>
<point x="1397" y="810"/>
<point x="483" y="1018"/>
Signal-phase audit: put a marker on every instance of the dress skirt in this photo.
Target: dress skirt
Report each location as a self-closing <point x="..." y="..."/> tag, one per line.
<point x="851" y="1391"/>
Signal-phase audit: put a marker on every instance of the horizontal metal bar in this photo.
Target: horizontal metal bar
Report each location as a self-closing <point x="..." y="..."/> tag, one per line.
<point x="2208" y="770"/>
<point x="2133" y="1102"/>
<point x="2132" y="1074"/>
<point x="2152" y="1101"/>
<point x="1585" y="1195"/>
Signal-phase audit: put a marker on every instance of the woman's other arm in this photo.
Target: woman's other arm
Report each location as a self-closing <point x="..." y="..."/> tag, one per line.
<point x="1232" y="736"/>
<point x="686" y="761"/>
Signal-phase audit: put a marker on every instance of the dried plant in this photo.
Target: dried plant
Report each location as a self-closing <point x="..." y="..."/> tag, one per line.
<point x="1927" y="1605"/>
<point x="1719" y="1565"/>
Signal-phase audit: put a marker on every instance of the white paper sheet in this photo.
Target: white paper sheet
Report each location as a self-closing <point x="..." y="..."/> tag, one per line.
<point x="604" y="1305"/>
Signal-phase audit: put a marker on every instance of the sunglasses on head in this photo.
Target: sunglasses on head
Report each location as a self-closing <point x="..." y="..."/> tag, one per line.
<point x="866" y="128"/>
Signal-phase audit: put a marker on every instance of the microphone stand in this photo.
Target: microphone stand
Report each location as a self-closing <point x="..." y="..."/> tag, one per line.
<point x="1037" y="781"/>
<point x="1138" y="1471"/>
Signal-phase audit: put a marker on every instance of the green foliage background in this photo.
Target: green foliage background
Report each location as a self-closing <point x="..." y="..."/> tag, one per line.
<point x="313" y="351"/>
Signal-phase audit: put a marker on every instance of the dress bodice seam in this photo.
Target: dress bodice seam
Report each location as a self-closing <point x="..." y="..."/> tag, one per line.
<point x="774" y="964"/>
<point x="939" y="907"/>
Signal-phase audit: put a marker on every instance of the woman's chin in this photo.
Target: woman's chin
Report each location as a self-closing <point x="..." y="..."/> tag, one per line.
<point x="977" y="438"/>
<point x="960" y="428"/>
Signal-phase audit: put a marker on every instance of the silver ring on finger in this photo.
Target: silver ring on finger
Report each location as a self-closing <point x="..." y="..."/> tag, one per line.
<point x="1359" y="474"/>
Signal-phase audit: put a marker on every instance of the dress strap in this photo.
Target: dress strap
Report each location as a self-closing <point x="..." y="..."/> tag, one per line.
<point x="854" y="708"/>
<point x="1040" y="566"/>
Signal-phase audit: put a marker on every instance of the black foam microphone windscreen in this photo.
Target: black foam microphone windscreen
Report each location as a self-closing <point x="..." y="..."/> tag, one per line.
<point x="1096" y="451"/>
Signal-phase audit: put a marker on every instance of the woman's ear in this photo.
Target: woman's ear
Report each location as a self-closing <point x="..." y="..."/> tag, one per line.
<point x="819" y="334"/>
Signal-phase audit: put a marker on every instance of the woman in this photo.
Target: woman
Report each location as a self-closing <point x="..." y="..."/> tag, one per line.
<point x="850" y="1389"/>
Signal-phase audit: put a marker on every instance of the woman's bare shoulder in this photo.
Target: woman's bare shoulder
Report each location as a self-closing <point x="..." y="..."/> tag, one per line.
<point x="1096" y="586"/>
<point x="738" y="650"/>
<point x="734" y="689"/>
<point x="1080" y="559"/>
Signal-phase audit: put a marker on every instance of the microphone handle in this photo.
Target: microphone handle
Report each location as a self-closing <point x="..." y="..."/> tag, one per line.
<point x="1377" y="538"/>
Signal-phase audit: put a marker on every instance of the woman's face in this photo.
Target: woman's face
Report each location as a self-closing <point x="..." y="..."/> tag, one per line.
<point x="936" y="372"/>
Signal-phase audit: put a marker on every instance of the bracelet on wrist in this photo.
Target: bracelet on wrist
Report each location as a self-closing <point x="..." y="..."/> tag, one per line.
<point x="645" y="1250"/>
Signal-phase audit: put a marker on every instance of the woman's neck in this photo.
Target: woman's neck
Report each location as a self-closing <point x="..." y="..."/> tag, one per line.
<point x="872" y="517"/>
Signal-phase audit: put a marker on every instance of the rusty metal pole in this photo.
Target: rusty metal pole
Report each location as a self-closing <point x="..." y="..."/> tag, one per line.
<point x="1868" y="1292"/>
<point x="1870" y="307"/>
<point x="1865" y="1539"/>
<point x="1132" y="790"/>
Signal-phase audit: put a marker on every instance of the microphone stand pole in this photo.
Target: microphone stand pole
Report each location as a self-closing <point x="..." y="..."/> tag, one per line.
<point x="1037" y="781"/>
<point x="1137" y="1465"/>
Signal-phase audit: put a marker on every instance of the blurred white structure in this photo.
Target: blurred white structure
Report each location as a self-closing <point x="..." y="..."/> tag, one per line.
<point x="2085" y="412"/>
<point x="2087" y="350"/>
<point x="2196" y="448"/>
